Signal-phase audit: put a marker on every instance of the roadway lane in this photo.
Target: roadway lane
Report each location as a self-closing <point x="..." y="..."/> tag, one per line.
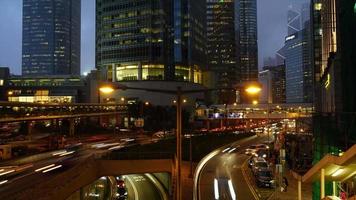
<point x="224" y="166"/>
<point x="140" y="187"/>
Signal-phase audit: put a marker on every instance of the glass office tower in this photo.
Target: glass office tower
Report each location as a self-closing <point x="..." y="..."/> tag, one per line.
<point x="221" y="46"/>
<point x="51" y="37"/>
<point x="246" y="30"/>
<point x="150" y="40"/>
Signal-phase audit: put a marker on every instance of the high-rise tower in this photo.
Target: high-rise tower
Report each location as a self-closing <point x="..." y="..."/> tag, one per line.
<point x="221" y="46"/>
<point x="51" y="37"/>
<point x="247" y="49"/>
<point x="150" y="40"/>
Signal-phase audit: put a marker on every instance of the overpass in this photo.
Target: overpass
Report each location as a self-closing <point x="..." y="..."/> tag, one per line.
<point x="18" y="111"/>
<point x="64" y="184"/>
<point x="32" y="112"/>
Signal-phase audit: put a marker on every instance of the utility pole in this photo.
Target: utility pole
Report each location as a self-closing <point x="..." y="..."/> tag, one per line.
<point x="179" y="143"/>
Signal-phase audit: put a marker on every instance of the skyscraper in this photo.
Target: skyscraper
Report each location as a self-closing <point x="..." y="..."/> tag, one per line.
<point x="150" y="40"/>
<point x="247" y="48"/>
<point x="51" y="37"/>
<point x="221" y="46"/>
<point x="299" y="78"/>
<point x="334" y="61"/>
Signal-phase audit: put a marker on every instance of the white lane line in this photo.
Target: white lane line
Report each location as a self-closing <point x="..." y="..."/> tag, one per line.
<point x="158" y="186"/>
<point x="232" y="191"/>
<point x="202" y="163"/>
<point x="225" y="150"/>
<point x="233" y="149"/>
<point x="53" y="168"/>
<point x="43" y="168"/>
<point x="216" y="189"/>
<point x="133" y="186"/>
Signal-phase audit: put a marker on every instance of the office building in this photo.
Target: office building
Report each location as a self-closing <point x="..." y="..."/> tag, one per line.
<point x="150" y="40"/>
<point x="51" y="37"/>
<point x="265" y="78"/>
<point x="297" y="52"/>
<point x="277" y="83"/>
<point x="221" y="47"/>
<point x="246" y="34"/>
<point x="334" y="61"/>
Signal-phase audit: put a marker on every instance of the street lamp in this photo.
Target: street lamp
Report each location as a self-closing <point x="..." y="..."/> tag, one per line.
<point x="253" y="90"/>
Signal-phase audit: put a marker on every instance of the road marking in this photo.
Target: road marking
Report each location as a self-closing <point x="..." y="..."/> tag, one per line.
<point x="216" y="189"/>
<point x="232" y="191"/>
<point x="202" y="163"/>
<point x="133" y="186"/>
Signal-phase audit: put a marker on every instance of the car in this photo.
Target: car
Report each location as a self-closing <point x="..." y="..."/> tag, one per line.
<point x="259" y="163"/>
<point x="121" y="189"/>
<point x="264" y="178"/>
<point x="251" y="149"/>
<point x="262" y="153"/>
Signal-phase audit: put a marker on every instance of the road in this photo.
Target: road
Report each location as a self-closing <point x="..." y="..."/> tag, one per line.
<point x="15" y="177"/>
<point x="143" y="187"/>
<point x="221" y="176"/>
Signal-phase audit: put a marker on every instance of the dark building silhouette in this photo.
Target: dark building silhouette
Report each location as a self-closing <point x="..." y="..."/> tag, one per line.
<point x="221" y="47"/>
<point x="247" y="48"/>
<point x="51" y="37"/>
<point x="334" y="61"/>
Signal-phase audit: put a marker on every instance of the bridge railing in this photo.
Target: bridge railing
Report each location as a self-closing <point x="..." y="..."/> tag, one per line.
<point x="138" y="155"/>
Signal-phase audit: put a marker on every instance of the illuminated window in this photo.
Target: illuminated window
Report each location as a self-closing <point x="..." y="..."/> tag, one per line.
<point x="1" y="82"/>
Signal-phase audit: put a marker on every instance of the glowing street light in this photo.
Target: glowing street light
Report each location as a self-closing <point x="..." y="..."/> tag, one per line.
<point x="106" y="89"/>
<point x="254" y="102"/>
<point x="253" y="90"/>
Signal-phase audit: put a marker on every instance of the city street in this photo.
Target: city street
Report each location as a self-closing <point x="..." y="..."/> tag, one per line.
<point x="226" y="165"/>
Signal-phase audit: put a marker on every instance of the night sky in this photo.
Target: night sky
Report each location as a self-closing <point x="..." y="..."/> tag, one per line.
<point x="272" y="28"/>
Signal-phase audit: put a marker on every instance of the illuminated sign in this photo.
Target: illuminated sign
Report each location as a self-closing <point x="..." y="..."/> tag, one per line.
<point x="291" y="37"/>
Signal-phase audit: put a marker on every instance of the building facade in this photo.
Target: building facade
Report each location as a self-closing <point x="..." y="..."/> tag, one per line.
<point x="150" y="40"/>
<point x="278" y="83"/>
<point x="334" y="61"/>
<point x="221" y="47"/>
<point x="51" y="37"/>
<point x="299" y="70"/>
<point x="246" y="34"/>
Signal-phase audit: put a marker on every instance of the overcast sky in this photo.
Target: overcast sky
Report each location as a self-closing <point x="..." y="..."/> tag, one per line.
<point x="272" y="28"/>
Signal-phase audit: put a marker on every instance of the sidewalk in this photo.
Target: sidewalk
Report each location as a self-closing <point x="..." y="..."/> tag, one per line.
<point x="292" y="190"/>
<point x="187" y="187"/>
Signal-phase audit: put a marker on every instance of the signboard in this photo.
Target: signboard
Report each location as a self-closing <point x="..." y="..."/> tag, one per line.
<point x="140" y="122"/>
